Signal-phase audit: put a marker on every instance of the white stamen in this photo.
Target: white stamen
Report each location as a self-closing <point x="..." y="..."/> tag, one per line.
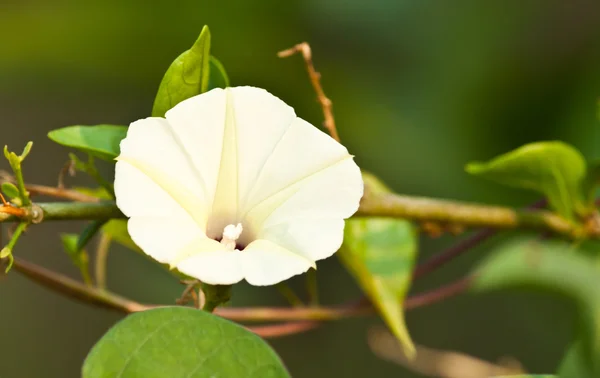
<point x="231" y="234"/>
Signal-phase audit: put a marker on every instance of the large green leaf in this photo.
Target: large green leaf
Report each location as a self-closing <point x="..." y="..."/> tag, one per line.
<point x="101" y="141"/>
<point x="181" y="342"/>
<point x="555" y="267"/>
<point x="554" y="169"/>
<point x="217" y="77"/>
<point x="187" y="76"/>
<point x="380" y="254"/>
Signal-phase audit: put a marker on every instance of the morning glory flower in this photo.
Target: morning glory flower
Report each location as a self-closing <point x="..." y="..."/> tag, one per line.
<point x="232" y="185"/>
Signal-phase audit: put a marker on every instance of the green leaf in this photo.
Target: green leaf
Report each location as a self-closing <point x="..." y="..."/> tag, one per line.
<point x="555" y="267"/>
<point x="217" y="76"/>
<point x="79" y="257"/>
<point x="101" y="141"/>
<point x="555" y="169"/>
<point x="10" y="190"/>
<point x="181" y="342"/>
<point x="574" y="363"/>
<point x="187" y="76"/>
<point x="88" y="233"/>
<point x="117" y="230"/>
<point x="380" y="253"/>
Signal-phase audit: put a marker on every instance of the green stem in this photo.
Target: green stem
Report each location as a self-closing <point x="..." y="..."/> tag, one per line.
<point x="101" y="258"/>
<point x="24" y="194"/>
<point x="289" y="295"/>
<point x="444" y="211"/>
<point x="17" y="234"/>
<point x="384" y="205"/>
<point x="215" y="295"/>
<point x="8" y="249"/>
<point x="85" y="275"/>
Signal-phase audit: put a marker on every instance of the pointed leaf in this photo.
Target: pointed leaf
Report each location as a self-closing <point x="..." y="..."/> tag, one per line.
<point x="554" y="267"/>
<point x="181" y="342"/>
<point x="380" y="253"/>
<point x="88" y="233"/>
<point x="554" y="169"/>
<point x="187" y="76"/>
<point x="101" y="141"/>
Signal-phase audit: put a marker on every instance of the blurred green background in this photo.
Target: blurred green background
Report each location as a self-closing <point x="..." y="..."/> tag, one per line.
<point x="419" y="89"/>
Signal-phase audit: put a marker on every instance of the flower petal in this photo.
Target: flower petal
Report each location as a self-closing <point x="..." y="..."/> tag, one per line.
<point x="164" y="213"/>
<point x="266" y="263"/>
<point x="333" y="193"/>
<point x="155" y="177"/>
<point x="261" y="121"/>
<point x="210" y="262"/>
<point x="199" y="124"/>
<point x="316" y="239"/>
<point x="300" y="154"/>
<point x="161" y="237"/>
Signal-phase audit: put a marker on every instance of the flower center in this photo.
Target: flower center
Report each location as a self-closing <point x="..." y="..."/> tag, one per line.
<point x="231" y="233"/>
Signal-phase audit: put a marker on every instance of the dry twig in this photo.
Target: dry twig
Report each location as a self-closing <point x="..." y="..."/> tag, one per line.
<point x="315" y="78"/>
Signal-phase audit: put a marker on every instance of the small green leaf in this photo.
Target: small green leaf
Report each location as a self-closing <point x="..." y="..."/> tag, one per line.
<point x="10" y="190"/>
<point x="217" y="76"/>
<point x="69" y="242"/>
<point x="187" y="76"/>
<point x="101" y="141"/>
<point x="26" y="151"/>
<point x="380" y="253"/>
<point x="88" y="233"/>
<point x="78" y="256"/>
<point x="117" y="230"/>
<point x="552" y="266"/>
<point x="6" y="253"/>
<point x="554" y="169"/>
<point x="181" y="342"/>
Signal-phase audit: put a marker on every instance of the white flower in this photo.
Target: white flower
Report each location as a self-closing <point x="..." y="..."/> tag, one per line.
<point x="232" y="185"/>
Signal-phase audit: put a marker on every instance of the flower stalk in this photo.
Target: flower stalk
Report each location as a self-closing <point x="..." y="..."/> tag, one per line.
<point x="215" y="295"/>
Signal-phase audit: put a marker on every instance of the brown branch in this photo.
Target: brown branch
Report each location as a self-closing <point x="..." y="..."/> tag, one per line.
<point x="56" y="192"/>
<point x="284" y="329"/>
<point x="315" y="79"/>
<point x="77" y="290"/>
<point x="49" y="191"/>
